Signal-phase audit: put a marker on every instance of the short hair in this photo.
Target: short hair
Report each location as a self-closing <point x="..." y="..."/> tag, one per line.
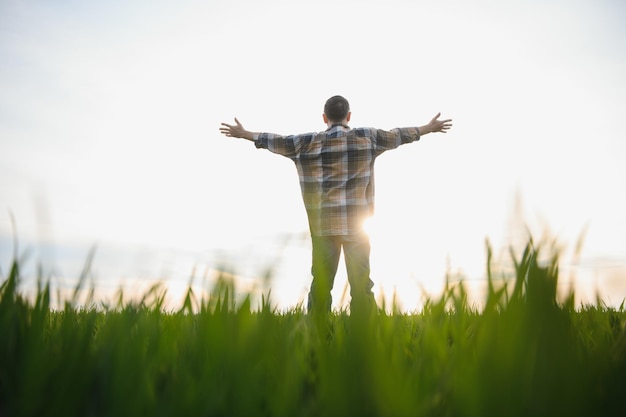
<point x="336" y="108"/>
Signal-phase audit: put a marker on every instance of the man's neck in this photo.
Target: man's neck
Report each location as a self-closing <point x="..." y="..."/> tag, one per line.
<point x="333" y="124"/>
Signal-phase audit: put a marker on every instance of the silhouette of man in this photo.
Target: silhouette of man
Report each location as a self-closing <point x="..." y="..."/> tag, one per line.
<point x="336" y="171"/>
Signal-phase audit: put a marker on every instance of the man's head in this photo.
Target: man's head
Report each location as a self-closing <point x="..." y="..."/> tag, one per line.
<point x="336" y="110"/>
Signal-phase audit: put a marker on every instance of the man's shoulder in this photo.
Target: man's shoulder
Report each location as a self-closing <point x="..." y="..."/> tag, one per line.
<point x="364" y="131"/>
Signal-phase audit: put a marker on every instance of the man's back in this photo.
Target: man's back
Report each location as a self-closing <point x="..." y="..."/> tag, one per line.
<point x="335" y="168"/>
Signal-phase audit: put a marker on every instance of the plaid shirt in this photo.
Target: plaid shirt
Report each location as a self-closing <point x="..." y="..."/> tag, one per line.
<point x="336" y="170"/>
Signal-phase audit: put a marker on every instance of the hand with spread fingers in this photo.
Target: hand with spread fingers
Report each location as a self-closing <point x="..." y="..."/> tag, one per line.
<point x="436" y="125"/>
<point x="236" y="131"/>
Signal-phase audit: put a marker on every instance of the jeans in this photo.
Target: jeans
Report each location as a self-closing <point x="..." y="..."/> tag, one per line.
<point x="326" y="251"/>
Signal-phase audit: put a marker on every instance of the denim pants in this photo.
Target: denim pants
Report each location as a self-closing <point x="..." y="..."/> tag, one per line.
<point x="326" y="252"/>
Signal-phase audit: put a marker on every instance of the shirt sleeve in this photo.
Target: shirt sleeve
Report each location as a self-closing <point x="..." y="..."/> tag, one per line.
<point x="288" y="146"/>
<point x="387" y="140"/>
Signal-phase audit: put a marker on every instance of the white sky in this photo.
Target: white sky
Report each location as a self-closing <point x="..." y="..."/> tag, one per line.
<point x="109" y="117"/>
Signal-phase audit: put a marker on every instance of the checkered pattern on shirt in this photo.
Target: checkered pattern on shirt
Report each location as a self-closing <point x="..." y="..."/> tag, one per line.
<point x="336" y="170"/>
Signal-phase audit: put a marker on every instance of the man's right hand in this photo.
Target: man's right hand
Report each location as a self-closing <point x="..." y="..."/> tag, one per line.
<point x="436" y="125"/>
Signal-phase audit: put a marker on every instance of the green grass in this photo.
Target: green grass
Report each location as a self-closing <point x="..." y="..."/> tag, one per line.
<point x="523" y="354"/>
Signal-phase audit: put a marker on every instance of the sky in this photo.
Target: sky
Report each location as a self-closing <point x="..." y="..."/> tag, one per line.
<point x="110" y="110"/>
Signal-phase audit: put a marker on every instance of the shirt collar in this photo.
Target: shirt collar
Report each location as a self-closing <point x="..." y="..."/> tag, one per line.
<point x="337" y="125"/>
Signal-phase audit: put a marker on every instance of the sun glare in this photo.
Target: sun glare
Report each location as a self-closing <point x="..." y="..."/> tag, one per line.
<point x="369" y="227"/>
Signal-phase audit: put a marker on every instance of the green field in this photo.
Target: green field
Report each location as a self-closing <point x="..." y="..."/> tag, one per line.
<point x="522" y="354"/>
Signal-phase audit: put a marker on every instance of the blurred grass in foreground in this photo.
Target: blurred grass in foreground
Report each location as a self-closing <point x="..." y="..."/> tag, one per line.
<point x="523" y="354"/>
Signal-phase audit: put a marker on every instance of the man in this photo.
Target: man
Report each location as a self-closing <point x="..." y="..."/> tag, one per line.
<point x="337" y="183"/>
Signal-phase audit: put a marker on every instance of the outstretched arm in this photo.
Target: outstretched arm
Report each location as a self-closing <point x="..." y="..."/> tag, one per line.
<point x="436" y="125"/>
<point x="236" y="131"/>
